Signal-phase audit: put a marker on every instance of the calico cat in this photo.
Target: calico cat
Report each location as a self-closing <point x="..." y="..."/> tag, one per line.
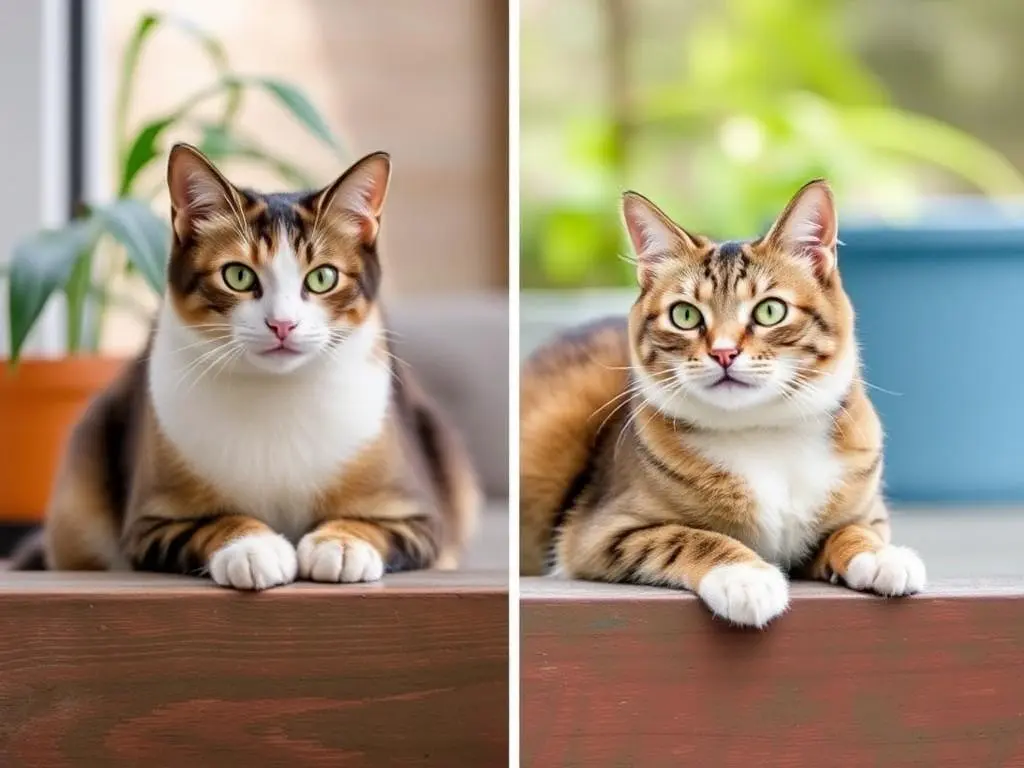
<point x="721" y="437"/>
<point x="265" y="433"/>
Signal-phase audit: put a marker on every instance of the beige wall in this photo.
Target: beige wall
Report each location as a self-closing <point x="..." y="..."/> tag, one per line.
<point x="424" y="79"/>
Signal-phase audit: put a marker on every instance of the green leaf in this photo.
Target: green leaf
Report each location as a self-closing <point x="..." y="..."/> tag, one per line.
<point x="76" y="290"/>
<point x="129" y="66"/>
<point x="219" y="143"/>
<point x="41" y="265"/>
<point x="936" y="143"/>
<point x="148" y="24"/>
<point x="294" y="101"/>
<point x="144" y="235"/>
<point x="146" y="145"/>
<point x="142" y="151"/>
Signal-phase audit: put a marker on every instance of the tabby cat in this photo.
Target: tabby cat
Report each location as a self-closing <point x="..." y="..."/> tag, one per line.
<point x="265" y="434"/>
<point x="719" y="439"/>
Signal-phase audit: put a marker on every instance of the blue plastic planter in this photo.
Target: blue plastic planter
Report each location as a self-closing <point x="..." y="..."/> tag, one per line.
<point x="940" y="310"/>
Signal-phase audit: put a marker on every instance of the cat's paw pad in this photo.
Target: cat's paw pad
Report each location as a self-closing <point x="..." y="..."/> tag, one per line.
<point x="749" y="595"/>
<point x="890" y="571"/>
<point x="338" y="560"/>
<point x="255" y="561"/>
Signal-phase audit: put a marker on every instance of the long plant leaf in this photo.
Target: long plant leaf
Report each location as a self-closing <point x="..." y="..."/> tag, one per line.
<point x="219" y="143"/>
<point x="928" y="140"/>
<point x="148" y="24"/>
<point x="147" y="143"/>
<point x="295" y="102"/>
<point x="144" y="235"/>
<point x="41" y="265"/>
<point x="76" y="291"/>
<point x="147" y="147"/>
<point x="142" y="152"/>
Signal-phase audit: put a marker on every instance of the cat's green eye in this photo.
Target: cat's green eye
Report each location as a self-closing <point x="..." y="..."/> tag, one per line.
<point x="685" y="316"/>
<point x="322" y="279"/>
<point x="770" y="312"/>
<point x="239" y="277"/>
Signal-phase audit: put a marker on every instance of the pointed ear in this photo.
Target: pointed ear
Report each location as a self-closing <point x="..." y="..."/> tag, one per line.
<point x="808" y="228"/>
<point x="199" y="192"/>
<point x="655" y="237"/>
<point x="356" y="199"/>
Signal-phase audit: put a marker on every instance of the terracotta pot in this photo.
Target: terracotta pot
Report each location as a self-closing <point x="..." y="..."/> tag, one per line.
<point x="39" y="403"/>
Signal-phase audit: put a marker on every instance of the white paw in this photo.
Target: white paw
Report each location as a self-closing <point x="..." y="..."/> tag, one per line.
<point x="889" y="571"/>
<point x="336" y="561"/>
<point x="255" y="561"/>
<point x="750" y="595"/>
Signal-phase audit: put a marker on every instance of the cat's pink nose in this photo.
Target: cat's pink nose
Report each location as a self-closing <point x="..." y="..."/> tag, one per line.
<point x="281" y="328"/>
<point x="725" y="357"/>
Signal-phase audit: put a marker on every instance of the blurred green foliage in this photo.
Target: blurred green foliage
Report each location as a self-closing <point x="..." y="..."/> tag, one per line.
<point x="66" y="260"/>
<point x="763" y="96"/>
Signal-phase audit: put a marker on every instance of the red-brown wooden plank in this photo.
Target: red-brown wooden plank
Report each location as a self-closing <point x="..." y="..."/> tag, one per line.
<point x="128" y="670"/>
<point x="621" y="676"/>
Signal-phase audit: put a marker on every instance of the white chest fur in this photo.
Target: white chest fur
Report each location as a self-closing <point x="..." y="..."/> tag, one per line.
<point x="270" y="442"/>
<point x="790" y="471"/>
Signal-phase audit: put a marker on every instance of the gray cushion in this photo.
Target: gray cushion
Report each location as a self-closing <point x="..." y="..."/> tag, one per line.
<point x="458" y="348"/>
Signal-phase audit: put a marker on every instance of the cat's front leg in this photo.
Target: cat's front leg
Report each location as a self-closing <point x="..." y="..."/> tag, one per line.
<point x="729" y="577"/>
<point x="865" y="561"/>
<point x="343" y="550"/>
<point x="236" y="550"/>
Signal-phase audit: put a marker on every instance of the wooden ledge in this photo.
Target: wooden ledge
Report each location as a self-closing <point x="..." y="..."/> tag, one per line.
<point x="132" y="669"/>
<point x="556" y="590"/>
<point x="149" y="585"/>
<point x="617" y="675"/>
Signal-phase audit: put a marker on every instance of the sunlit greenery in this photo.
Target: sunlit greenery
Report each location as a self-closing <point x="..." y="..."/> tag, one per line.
<point x="751" y="100"/>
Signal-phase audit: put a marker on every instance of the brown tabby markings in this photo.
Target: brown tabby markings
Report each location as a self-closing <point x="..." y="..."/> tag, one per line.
<point x="126" y="497"/>
<point x="613" y="487"/>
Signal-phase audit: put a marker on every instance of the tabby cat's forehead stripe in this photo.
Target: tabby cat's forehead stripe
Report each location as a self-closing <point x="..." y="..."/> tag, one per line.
<point x="730" y="250"/>
<point x="726" y="265"/>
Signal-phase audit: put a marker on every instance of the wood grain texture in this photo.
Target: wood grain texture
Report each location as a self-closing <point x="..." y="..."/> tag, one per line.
<point x="130" y="669"/>
<point x="616" y="676"/>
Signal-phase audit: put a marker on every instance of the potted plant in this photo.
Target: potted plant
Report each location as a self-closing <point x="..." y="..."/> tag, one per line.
<point x="104" y="246"/>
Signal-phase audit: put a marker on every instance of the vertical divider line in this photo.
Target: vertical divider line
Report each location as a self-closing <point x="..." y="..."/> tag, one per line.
<point x="513" y="369"/>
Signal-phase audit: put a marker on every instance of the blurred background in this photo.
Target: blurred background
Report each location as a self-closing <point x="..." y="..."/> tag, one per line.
<point x="720" y="110"/>
<point x="281" y="95"/>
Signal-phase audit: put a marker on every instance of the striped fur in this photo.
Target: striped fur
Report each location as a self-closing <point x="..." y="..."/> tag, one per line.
<point x="226" y="450"/>
<point x="645" y="458"/>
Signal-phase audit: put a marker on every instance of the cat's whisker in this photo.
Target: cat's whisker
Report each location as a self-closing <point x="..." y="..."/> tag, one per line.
<point x="236" y="353"/>
<point x="629" y="397"/>
<point x="614" y="367"/>
<point x="864" y="381"/>
<point x="658" y="378"/>
<point x="384" y="350"/>
<point x="196" y="363"/>
<point x="868" y="384"/>
<point x="808" y="390"/>
<point x="630" y="420"/>
<point x="215" y="340"/>
<point x="225" y="352"/>
<point x="630" y="390"/>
